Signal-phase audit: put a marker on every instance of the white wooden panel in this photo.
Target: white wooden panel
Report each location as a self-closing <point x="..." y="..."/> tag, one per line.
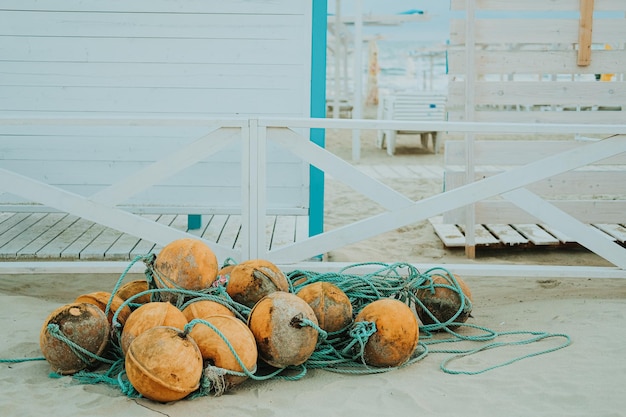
<point x="560" y="117"/>
<point x="588" y="211"/>
<point x="588" y="236"/>
<point x="105" y="143"/>
<point x="162" y="6"/>
<point x="536" y="235"/>
<point x="538" y="62"/>
<point x="171" y="25"/>
<point x="99" y="175"/>
<point x="482" y="236"/>
<point x="537" y="31"/>
<point x="55" y="224"/>
<point x="562" y="93"/>
<point x="116" y="101"/>
<point x="450" y="235"/>
<point x="617" y="231"/>
<point x="538" y="5"/>
<point x="144" y="247"/>
<point x="92" y="231"/>
<point x="152" y="58"/>
<point x="115" y="50"/>
<point x="583" y="183"/>
<point x="516" y="152"/>
<point x="217" y="76"/>
<point x="507" y="234"/>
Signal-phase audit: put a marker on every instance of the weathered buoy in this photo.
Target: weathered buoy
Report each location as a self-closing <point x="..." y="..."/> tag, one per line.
<point x="100" y="299"/>
<point x="187" y="264"/>
<point x="443" y="303"/>
<point x="133" y="288"/>
<point x="396" y="336"/>
<point x="276" y="322"/>
<point x="216" y="351"/>
<point x="252" y="280"/>
<point x="148" y="316"/>
<point x="83" y="324"/>
<point x="330" y="304"/>
<point x="205" y="308"/>
<point x="164" y="364"/>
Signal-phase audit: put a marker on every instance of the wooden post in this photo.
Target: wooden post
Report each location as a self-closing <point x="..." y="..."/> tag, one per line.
<point x="585" y="28"/>
<point x="470" y="103"/>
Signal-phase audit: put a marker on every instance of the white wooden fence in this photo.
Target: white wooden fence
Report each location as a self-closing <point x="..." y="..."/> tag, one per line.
<point x="256" y="134"/>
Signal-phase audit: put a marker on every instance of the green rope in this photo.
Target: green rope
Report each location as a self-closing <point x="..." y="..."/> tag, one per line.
<point x="82" y="353"/>
<point x="20" y="360"/>
<point x="341" y="351"/>
<point x="537" y="336"/>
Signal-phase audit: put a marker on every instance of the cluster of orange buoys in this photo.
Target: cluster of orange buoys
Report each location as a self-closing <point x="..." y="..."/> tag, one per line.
<point x="168" y="346"/>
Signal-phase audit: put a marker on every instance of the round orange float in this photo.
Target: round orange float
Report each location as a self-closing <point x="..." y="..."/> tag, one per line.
<point x="164" y="364"/>
<point x="396" y="336"/>
<point x="185" y="264"/>
<point x="206" y="308"/>
<point x="215" y="350"/>
<point x="275" y="322"/>
<point x="133" y="288"/>
<point x="148" y="316"/>
<point x="100" y="299"/>
<point x="330" y="304"/>
<point x="83" y="324"/>
<point x="442" y="302"/>
<point x="252" y="280"/>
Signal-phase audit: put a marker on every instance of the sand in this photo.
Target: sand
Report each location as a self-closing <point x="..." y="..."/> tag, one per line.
<point x="583" y="379"/>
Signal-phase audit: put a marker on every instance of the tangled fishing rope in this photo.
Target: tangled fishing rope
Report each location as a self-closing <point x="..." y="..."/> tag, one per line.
<point x="340" y="351"/>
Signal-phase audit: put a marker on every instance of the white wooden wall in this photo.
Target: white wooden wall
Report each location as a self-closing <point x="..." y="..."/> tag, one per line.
<point x="524" y="65"/>
<point x="152" y="59"/>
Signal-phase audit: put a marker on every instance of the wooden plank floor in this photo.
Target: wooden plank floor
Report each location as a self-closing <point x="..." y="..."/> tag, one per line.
<point x="62" y="236"/>
<point x="59" y="236"/>
<point x="522" y="235"/>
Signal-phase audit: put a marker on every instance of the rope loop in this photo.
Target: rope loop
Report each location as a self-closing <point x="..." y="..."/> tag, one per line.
<point x="83" y="354"/>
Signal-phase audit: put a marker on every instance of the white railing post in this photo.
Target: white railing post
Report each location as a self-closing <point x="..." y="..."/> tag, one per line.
<point x="253" y="190"/>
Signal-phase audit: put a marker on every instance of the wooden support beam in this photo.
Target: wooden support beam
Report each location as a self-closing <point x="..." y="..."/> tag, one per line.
<point x="585" y="29"/>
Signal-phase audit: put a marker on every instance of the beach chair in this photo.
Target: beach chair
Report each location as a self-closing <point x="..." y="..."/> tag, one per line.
<point x="419" y="106"/>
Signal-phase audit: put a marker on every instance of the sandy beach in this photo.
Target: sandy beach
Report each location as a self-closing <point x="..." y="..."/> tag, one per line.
<point x="583" y="379"/>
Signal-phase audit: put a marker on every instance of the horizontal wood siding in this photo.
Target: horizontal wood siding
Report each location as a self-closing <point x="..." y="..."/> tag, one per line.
<point x="524" y="66"/>
<point x="593" y="194"/>
<point x="153" y="59"/>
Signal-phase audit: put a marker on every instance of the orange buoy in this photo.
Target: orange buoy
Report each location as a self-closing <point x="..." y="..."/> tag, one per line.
<point x="100" y="299"/>
<point x="148" y="316"/>
<point x="252" y="280"/>
<point x="215" y="349"/>
<point x="164" y="364"/>
<point x="443" y="303"/>
<point x="186" y="263"/>
<point x="396" y="336"/>
<point x="205" y="308"/>
<point x="81" y="323"/>
<point x="133" y="288"/>
<point x="330" y="304"/>
<point x="275" y="322"/>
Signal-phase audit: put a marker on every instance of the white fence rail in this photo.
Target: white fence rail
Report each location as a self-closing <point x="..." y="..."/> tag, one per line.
<point x="401" y="210"/>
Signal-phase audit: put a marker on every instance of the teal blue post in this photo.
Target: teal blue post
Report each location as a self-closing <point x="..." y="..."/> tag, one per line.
<point x="194" y="221"/>
<point x="318" y="109"/>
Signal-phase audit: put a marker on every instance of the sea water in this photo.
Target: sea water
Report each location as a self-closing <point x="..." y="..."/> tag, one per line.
<point x="403" y="65"/>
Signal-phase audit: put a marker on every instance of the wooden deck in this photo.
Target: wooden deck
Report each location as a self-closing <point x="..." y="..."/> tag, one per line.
<point x="28" y="236"/>
<point x="520" y="235"/>
<point x="62" y="236"/>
